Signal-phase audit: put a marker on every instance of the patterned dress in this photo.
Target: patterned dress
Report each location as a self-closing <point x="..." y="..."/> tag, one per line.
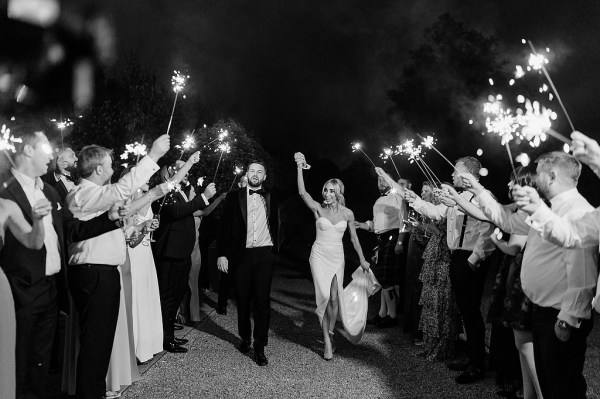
<point x="440" y="321"/>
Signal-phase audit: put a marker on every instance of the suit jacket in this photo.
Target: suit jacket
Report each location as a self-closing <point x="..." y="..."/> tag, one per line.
<point x="59" y="186"/>
<point x="25" y="267"/>
<point x="176" y="234"/>
<point x="231" y="237"/>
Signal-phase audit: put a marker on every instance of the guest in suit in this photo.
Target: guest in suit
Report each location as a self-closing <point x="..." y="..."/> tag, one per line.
<point x="61" y="177"/>
<point x="94" y="279"/>
<point x="245" y="243"/>
<point x="37" y="277"/>
<point x="173" y="248"/>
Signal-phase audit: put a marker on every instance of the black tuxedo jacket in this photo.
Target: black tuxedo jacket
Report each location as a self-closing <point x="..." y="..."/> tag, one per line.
<point x="176" y="234"/>
<point x="25" y="267"/>
<point x="231" y="237"/>
<point x="59" y="186"/>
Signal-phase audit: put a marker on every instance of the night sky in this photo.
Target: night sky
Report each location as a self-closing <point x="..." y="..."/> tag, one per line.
<point x="315" y="74"/>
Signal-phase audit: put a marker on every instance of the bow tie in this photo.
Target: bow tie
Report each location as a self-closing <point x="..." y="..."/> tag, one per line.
<point x="260" y="191"/>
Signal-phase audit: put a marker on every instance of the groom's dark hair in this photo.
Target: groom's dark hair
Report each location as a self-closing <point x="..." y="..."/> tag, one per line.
<point x="257" y="161"/>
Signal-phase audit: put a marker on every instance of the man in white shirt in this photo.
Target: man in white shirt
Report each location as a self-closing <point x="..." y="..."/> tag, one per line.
<point x="470" y="244"/>
<point x="559" y="281"/>
<point x="93" y="275"/>
<point x="388" y="219"/>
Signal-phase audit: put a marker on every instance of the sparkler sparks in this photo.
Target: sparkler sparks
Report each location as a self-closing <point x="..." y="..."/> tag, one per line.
<point x="356" y="147"/>
<point x="178" y="81"/>
<point x="7" y="141"/>
<point x="136" y="149"/>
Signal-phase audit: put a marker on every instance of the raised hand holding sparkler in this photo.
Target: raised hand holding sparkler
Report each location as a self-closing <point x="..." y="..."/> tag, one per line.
<point x="388" y="153"/>
<point x="470" y="183"/>
<point x="586" y="150"/>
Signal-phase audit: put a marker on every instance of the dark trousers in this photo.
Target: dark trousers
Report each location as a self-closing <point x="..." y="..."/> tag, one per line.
<point x="173" y="275"/>
<point x="559" y="365"/>
<point x="224" y="288"/>
<point x="96" y="293"/>
<point x="467" y="285"/>
<point x="253" y="277"/>
<point x="413" y="287"/>
<point x="36" y="323"/>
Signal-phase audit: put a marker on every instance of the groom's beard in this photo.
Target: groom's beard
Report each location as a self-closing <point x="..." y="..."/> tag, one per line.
<point x="254" y="185"/>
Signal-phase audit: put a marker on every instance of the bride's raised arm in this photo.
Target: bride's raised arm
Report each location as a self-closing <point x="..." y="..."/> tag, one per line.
<point x="310" y="203"/>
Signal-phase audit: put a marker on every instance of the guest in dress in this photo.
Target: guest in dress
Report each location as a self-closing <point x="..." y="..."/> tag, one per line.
<point x="419" y="237"/>
<point x="440" y="321"/>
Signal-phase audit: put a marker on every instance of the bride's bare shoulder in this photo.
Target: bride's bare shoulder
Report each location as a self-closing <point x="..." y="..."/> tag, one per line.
<point x="349" y="215"/>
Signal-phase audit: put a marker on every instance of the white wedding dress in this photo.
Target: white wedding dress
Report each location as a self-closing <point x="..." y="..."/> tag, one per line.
<point x="326" y="261"/>
<point x="145" y="309"/>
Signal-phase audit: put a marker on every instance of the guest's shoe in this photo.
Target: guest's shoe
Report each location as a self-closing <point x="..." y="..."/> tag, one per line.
<point x="172" y="347"/>
<point x="375" y="320"/>
<point x="459" y="365"/>
<point x="470" y="375"/>
<point x="222" y="310"/>
<point x="245" y="346"/>
<point x="260" y="358"/>
<point x="180" y="341"/>
<point x="177" y="327"/>
<point x="112" y="394"/>
<point x="388" y="322"/>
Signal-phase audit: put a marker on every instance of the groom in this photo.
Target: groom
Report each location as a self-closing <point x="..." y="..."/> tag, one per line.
<point x="245" y="242"/>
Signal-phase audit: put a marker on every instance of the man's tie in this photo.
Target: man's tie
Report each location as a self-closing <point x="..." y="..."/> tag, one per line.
<point x="260" y="191"/>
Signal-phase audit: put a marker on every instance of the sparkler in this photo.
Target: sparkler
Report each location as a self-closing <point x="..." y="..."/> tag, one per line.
<point x="388" y="154"/>
<point x="538" y="61"/>
<point x="537" y="123"/>
<point x="356" y="147"/>
<point x="429" y="144"/>
<point x="414" y="154"/>
<point x="188" y="142"/>
<point x="7" y="143"/>
<point x="224" y="148"/>
<point x="237" y="171"/>
<point x="136" y="149"/>
<point x="61" y="125"/>
<point x="178" y="82"/>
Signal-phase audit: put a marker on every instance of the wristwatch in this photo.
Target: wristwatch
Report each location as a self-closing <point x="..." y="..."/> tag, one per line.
<point x="563" y="325"/>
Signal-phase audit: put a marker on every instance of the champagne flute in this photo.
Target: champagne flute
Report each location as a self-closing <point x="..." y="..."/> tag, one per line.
<point x="157" y="217"/>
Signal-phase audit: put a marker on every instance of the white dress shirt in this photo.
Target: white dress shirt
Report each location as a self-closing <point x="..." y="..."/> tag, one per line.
<point x="551" y="276"/>
<point x="88" y="200"/>
<point x="33" y="191"/>
<point x="257" y="233"/>
<point x="388" y="213"/>
<point x="476" y="237"/>
<point x="583" y="232"/>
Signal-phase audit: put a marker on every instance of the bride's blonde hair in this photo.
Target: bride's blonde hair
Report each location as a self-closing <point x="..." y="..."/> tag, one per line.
<point x="338" y="189"/>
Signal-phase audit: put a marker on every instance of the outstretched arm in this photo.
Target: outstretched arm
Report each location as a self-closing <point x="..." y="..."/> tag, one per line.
<point x="468" y="207"/>
<point x="207" y="211"/>
<point x="30" y="236"/>
<point x="310" y="203"/>
<point x="354" y="238"/>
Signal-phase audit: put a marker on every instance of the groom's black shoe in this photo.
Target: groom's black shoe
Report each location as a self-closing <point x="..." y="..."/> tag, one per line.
<point x="245" y="346"/>
<point x="173" y="347"/>
<point x="180" y="341"/>
<point x="260" y="358"/>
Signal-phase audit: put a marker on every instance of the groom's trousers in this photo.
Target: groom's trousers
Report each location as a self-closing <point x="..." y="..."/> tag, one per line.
<point x="253" y="277"/>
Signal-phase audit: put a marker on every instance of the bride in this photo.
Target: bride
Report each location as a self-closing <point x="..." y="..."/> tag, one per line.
<point x="327" y="254"/>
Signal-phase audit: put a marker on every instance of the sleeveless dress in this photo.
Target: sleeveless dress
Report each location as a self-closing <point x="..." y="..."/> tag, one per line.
<point x="145" y="298"/>
<point x="326" y="261"/>
<point x="8" y="337"/>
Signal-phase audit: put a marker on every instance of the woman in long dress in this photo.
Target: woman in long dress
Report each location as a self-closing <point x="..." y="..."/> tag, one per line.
<point x="327" y="254"/>
<point x="32" y="237"/>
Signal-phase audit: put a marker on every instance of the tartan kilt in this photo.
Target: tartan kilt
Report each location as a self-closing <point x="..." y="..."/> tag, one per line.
<point x="386" y="269"/>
